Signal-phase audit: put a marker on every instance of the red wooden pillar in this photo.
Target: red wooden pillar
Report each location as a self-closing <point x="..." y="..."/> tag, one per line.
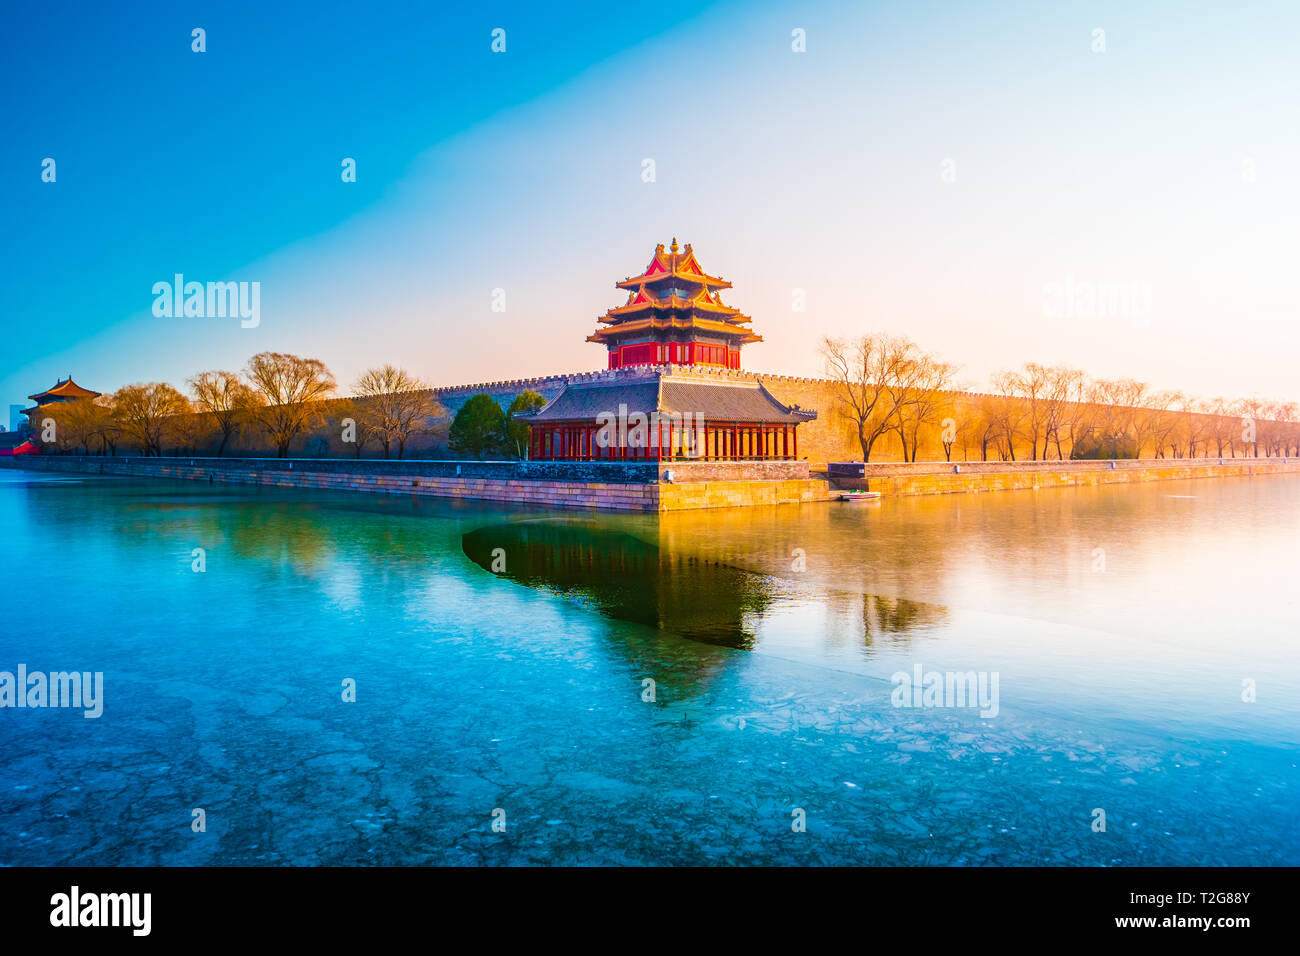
<point x="794" y="440"/>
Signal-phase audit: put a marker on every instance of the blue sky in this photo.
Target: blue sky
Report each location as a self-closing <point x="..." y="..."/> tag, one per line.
<point x="937" y="170"/>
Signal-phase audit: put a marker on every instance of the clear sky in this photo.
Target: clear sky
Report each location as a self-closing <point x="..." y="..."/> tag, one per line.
<point x="941" y="170"/>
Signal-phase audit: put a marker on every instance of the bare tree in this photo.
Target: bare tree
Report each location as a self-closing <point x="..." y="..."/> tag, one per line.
<point x="1248" y="411"/>
<point x="918" y="397"/>
<point x="1032" y="385"/>
<point x="1221" y="424"/>
<point x="226" y="398"/>
<point x="84" y="424"/>
<point x="398" y="404"/>
<point x="1196" y="425"/>
<point x="984" y="424"/>
<point x="871" y="375"/>
<point x="142" y="412"/>
<point x="291" y="389"/>
<point x="365" y="425"/>
<point x="1063" y="384"/>
<point x="1007" y="414"/>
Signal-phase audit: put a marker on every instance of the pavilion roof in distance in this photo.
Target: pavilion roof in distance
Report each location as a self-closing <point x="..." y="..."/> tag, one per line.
<point x="63" y="388"/>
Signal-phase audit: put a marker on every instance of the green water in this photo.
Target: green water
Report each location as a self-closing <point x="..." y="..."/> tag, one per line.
<point x="636" y="689"/>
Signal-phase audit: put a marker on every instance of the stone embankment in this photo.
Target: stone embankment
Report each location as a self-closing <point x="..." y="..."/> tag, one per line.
<point x="648" y="486"/>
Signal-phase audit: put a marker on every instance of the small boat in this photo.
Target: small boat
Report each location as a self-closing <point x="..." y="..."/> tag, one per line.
<point x="859" y="495"/>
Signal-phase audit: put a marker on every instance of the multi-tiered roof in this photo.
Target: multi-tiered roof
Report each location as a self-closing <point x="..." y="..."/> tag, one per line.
<point x="667" y="347"/>
<point x="674" y="314"/>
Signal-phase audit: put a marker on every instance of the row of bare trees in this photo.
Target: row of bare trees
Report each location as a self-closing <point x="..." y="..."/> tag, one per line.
<point x="887" y="385"/>
<point x="277" y="399"/>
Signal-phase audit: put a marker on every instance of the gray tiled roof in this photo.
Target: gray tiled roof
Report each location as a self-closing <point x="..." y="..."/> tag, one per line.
<point x="715" y="403"/>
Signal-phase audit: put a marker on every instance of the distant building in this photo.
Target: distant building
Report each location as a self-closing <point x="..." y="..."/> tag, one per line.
<point x="16" y="418"/>
<point x="64" y="390"/>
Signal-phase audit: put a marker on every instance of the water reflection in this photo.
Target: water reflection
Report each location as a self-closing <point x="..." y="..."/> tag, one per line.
<point x="886" y="617"/>
<point x="627" y="578"/>
<point x="696" y="596"/>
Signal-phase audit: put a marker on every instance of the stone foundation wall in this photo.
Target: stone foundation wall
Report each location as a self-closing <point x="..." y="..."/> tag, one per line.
<point x="435" y="479"/>
<point x="938" y="479"/>
<point x="616" y="486"/>
<point x="637" y="486"/>
<point x="741" y="494"/>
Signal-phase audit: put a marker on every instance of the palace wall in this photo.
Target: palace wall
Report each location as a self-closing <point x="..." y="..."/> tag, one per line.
<point x="830" y="437"/>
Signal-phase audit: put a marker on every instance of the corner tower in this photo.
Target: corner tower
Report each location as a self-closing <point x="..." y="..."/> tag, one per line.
<point x="674" y="315"/>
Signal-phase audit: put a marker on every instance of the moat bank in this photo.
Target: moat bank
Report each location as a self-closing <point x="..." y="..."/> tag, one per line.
<point x="937" y="478"/>
<point x="642" y="486"/>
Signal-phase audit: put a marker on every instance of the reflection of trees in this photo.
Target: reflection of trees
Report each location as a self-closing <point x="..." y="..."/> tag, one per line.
<point x="298" y="536"/>
<point x="896" y="619"/>
<point x="692" y="595"/>
<point x="628" y="578"/>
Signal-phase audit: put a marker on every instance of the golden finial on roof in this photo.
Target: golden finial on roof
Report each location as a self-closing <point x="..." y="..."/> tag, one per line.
<point x="673" y="248"/>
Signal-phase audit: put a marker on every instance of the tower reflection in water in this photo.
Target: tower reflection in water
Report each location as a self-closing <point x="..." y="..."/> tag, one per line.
<point x="699" y="597"/>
